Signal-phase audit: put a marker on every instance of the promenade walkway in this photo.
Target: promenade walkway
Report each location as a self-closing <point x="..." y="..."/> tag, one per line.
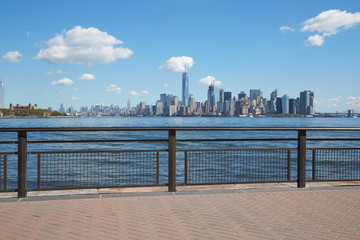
<point x="317" y="212"/>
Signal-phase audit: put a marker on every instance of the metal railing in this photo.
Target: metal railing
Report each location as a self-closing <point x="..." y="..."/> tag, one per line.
<point x="141" y="167"/>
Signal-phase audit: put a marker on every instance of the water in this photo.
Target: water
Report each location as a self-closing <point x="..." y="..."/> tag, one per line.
<point x="167" y="122"/>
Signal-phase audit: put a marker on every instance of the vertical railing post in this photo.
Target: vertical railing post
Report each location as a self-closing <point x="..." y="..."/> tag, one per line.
<point x="172" y="161"/>
<point x="301" y="158"/>
<point x="22" y="157"/>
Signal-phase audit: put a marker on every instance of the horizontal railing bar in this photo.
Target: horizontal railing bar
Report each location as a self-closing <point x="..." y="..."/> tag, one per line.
<point x="233" y="149"/>
<point x="341" y="148"/>
<point x="84" y="129"/>
<point x="8" y="153"/>
<point x="98" y="187"/>
<point x="9" y="142"/>
<point x="98" y="141"/>
<point x="188" y="140"/>
<point x="237" y="140"/>
<point x="333" y="139"/>
<point x="100" y="151"/>
<point x="241" y="182"/>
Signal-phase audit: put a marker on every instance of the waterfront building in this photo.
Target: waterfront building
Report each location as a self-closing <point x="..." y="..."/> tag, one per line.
<point x="128" y="104"/>
<point x="274" y="94"/>
<point x="285" y="104"/>
<point x="18" y="107"/>
<point x="279" y="106"/>
<point x="292" y="106"/>
<point x="185" y="89"/>
<point x="2" y="94"/>
<point x="307" y="102"/>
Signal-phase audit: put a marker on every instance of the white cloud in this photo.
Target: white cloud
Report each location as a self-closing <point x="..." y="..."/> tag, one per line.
<point x="315" y="40"/>
<point x="286" y="29"/>
<point x="86" y="76"/>
<point x="51" y="72"/>
<point x="328" y="23"/>
<point x="82" y="45"/>
<point x="208" y="80"/>
<point x="12" y="56"/>
<point x="333" y="100"/>
<point x="45" y="93"/>
<point x="134" y="93"/>
<point x="75" y="89"/>
<point x="27" y="34"/>
<point x="146" y="92"/>
<point x="112" y="88"/>
<point x="74" y="98"/>
<point x="63" y="82"/>
<point x="177" y="64"/>
<point x="166" y="85"/>
<point x="353" y="102"/>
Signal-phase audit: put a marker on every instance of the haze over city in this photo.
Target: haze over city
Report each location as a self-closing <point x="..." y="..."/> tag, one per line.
<point x="85" y="52"/>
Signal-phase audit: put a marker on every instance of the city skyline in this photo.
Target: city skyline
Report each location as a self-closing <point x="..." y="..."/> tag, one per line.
<point x="96" y="56"/>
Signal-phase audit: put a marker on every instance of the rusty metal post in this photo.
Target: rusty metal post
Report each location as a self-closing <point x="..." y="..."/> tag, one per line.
<point x="301" y="158"/>
<point x="172" y="161"/>
<point x="22" y="157"/>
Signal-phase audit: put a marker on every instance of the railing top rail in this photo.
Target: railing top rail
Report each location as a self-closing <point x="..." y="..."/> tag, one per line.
<point x="85" y="129"/>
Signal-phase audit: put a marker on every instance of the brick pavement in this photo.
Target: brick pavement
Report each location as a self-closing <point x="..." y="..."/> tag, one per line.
<point x="301" y="214"/>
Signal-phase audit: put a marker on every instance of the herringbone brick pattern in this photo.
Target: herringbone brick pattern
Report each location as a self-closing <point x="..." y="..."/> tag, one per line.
<point x="317" y="214"/>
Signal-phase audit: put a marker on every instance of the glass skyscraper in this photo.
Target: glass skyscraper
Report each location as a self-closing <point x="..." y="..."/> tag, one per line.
<point x="185" y="89"/>
<point x="2" y="94"/>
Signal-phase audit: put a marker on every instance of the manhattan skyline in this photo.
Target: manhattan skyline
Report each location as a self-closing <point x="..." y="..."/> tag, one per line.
<point x="109" y="53"/>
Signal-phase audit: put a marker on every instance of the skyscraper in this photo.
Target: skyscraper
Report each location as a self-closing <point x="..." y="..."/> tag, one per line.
<point x="211" y="96"/>
<point x="285" y="104"/>
<point x="185" y="89"/>
<point x="2" y="94"/>
<point x="307" y="102"/>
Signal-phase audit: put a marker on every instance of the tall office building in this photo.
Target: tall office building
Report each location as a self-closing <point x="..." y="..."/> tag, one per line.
<point x="2" y="94"/>
<point x="185" y="89"/>
<point x="254" y="93"/>
<point x="285" y="104"/>
<point x="211" y="96"/>
<point x="307" y="103"/>
<point x="227" y="96"/>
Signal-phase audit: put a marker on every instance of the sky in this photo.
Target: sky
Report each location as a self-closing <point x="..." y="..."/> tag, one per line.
<point x="82" y="53"/>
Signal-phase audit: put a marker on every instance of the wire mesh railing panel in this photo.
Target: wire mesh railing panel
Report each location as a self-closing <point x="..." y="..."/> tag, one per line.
<point x="337" y="164"/>
<point x="97" y="169"/>
<point x="3" y="172"/>
<point x="236" y="166"/>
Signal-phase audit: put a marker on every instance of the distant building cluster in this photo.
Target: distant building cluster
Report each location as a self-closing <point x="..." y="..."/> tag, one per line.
<point x="222" y="104"/>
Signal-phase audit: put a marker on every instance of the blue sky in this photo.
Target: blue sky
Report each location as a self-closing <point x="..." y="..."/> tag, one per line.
<point x="120" y="46"/>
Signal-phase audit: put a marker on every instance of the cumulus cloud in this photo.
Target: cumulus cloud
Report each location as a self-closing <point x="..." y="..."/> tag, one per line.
<point x="86" y="77"/>
<point x="83" y="45"/>
<point x="51" y="72"/>
<point x="134" y="93"/>
<point x="353" y="102"/>
<point x="286" y="29"/>
<point x="12" y="56"/>
<point x="63" y="82"/>
<point x="166" y="85"/>
<point x="315" y="40"/>
<point x="146" y="92"/>
<point x="208" y="80"/>
<point x="112" y="88"/>
<point x="177" y="64"/>
<point x="328" y="23"/>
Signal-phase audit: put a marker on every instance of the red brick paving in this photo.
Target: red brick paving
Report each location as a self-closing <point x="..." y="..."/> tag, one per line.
<point x="315" y="214"/>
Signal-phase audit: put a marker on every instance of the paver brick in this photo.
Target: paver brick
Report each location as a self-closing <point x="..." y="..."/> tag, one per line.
<point x="316" y="214"/>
